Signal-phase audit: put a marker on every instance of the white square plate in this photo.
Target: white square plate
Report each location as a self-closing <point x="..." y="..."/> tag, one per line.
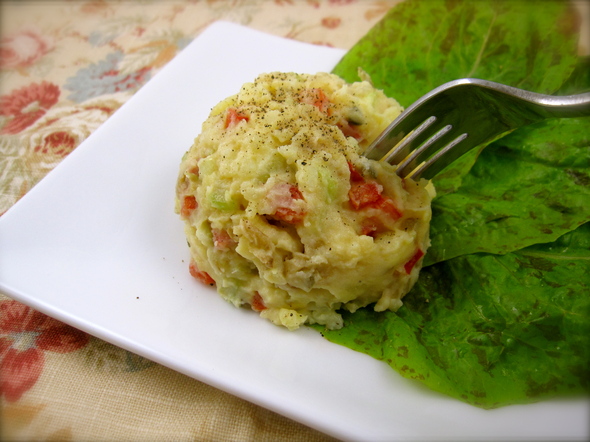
<point x="97" y="245"/>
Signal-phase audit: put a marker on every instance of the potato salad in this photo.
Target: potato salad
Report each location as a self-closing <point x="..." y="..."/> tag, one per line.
<point x="284" y="215"/>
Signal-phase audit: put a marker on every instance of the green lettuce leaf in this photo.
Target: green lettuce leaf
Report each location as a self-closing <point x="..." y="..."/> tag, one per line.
<point x="420" y="45"/>
<point x="501" y="314"/>
<point x="490" y="330"/>
<point x="529" y="187"/>
<point x="579" y="80"/>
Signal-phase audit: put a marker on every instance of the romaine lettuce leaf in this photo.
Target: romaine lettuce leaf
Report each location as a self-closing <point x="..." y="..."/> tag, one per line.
<point x="420" y="45"/>
<point x="579" y="80"/>
<point x="502" y="314"/>
<point x="490" y="330"/>
<point x="529" y="187"/>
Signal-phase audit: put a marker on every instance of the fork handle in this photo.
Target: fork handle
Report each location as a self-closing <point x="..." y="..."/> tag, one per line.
<point x="550" y="106"/>
<point x="568" y="105"/>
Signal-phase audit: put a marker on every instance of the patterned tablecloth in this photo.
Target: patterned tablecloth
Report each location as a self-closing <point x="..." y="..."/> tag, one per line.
<point x="65" y="68"/>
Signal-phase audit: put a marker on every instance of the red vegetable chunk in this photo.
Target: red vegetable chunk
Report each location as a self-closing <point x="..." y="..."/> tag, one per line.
<point x="189" y="203"/>
<point x="257" y="303"/>
<point x="233" y="117"/>
<point x="408" y="266"/>
<point x="199" y="275"/>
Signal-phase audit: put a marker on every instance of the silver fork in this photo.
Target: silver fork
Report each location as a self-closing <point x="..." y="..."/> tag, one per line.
<point x="460" y="115"/>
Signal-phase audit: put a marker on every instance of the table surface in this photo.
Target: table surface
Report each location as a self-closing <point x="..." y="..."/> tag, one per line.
<point x="65" y="68"/>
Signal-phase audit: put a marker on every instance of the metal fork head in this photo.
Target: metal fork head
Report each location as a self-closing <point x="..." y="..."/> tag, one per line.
<point x="446" y="123"/>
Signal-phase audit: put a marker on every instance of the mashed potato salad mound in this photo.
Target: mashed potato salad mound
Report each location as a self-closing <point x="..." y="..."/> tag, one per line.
<point x="284" y="214"/>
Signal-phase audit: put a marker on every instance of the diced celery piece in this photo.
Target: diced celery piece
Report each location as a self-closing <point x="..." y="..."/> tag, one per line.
<point x="329" y="183"/>
<point x="219" y="201"/>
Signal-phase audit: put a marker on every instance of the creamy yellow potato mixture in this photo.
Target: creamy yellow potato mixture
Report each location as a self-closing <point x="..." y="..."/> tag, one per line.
<point x="284" y="214"/>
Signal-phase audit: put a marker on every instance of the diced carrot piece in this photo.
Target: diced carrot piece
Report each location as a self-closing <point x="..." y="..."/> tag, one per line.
<point x="194" y="170"/>
<point x="257" y="303"/>
<point x="363" y="194"/>
<point x="408" y="266"/>
<point x="295" y="193"/>
<point x="316" y="97"/>
<point x="282" y="198"/>
<point x="233" y="117"/>
<point x="289" y="215"/>
<point x="189" y="203"/>
<point x="388" y="206"/>
<point x="350" y="130"/>
<point x="355" y="175"/>
<point x="199" y="275"/>
<point x="370" y="227"/>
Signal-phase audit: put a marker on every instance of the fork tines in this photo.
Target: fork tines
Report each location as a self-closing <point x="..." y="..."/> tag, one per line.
<point x="413" y="161"/>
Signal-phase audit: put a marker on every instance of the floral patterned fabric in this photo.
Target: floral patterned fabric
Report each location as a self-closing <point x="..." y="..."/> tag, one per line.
<point x="65" y="68"/>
